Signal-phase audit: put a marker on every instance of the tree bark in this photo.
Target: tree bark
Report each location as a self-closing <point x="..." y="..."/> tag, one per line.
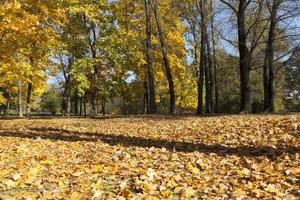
<point x="216" y="106"/>
<point x="64" y="104"/>
<point x="209" y="70"/>
<point x="145" y="99"/>
<point x="92" y="40"/>
<point x="84" y="107"/>
<point x="203" y="62"/>
<point x="103" y="107"/>
<point x="28" y="99"/>
<point x="195" y="51"/>
<point x="269" y="84"/>
<point x="7" y="107"/>
<point x="150" y="76"/>
<point x="94" y="107"/>
<point x="66" y="74"/>
<point x="94" y="96"/>
<point x="245" y="86"/>
<point x="165" y="58"/>
<point x="80" y="106"/>
<point x="75" y="104"/>
<point x="68" y="106"/>
<point x="20" y="108"/>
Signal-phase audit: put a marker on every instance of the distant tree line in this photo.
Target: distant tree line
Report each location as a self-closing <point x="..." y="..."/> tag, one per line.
<point x="149" y="56"/>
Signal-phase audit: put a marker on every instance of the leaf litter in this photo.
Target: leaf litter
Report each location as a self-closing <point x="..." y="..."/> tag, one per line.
<point x="155" y="157"/>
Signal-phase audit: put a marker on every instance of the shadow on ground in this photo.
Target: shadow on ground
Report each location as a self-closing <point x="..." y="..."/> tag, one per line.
<point x="129" y="141"/>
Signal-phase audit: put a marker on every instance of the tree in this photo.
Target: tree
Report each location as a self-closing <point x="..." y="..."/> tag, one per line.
<point x="50" y="102"/>
<point x="249" y="37"/>
<point x="27" y="35"/>
<point x="165" y="56"/>
<point x="150" y="76"/>
<point x="203" y="60"/>
<point x="269" y="73"/>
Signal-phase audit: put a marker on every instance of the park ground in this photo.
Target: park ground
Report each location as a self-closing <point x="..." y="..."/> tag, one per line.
<point x="154" y="157"/>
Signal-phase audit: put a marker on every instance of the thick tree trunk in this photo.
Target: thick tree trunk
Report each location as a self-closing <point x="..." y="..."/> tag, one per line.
<point x="65" y="98"/>
<point x="94" y="107"/>
<point x="165" y="58"/>
<point x="94" y="97"/>
<point x="245" y="86"/>
<point x="266" y="82"/>
<point x="84" y="107"/>
<point x="211" y="74"/>
<point x="145" y="99"/>
<point x="68" y="104"/>
<point x="92" y="42"/>
<point x="207" y="88"/>
<point x="216" y="106"/>
<point x="209" y="70"/>
<point x="7" y="107"/>
<point x="28" y="99"/>
<point x="269" y="83"/>
<point x="203" y="61"/>
<point x="81" y="106"/>
<point x="64" y="105"/>
<point x="195" y="51"/>
<point x="20" y="108"/>
<point x="103" y="107"/>
<point x="150" y="76"/>
<point x="75" y="104"/>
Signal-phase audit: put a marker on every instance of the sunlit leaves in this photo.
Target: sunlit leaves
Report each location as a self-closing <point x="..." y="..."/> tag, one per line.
<point x="28" y="37"/>
<point x="158" y="157"/>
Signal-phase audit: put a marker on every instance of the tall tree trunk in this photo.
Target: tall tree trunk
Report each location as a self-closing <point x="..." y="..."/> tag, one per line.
<point x="269" y="84"/>
<point x="165" y="57"/>
<point x="64" y="105"/>
<point x="145" y="99"/>
<point x="203" y="61"/>
<point x="94" y="107"/>
<point x="29" y="91"/>
<point x="245" y="86"/>
<point x="84" y="107"/>
<point x="81" y="106"/>
<point x="266" y="82"/>
<point x="65" y="97"/>
<point x="150" y="76"/>
<point x="207" y="88"/>
<point x="94" y="96"/>
<point x="195" y="51"/>
<point x="103" y="107"/>
<point x="75" y="104"/>
<point x="7" y="107"/>
<point x="216" y="106"/>
<point x="28" y="99"/>
<point x="209" y="70"/>
<point x="20" y="108"/>
<point x="68" y="109"/>
<point x="95" y="75"/>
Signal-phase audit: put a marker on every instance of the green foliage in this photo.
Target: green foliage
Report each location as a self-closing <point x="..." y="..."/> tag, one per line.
<point x="51" y="102"/>
<point x="228" y="82"/>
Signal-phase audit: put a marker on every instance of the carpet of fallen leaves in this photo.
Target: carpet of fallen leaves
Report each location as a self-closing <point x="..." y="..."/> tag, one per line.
<point x="156" y="157"/>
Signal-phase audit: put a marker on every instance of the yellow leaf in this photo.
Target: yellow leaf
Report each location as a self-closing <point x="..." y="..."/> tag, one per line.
<point x="9" y="183"/>
<point x="47" y="162"/>
<point x="189" y="192"/>
<point x="193" y="169"/>
<point x="61" y="183"/>
<point x="166" y="193"/>
<point x="178" y="190"/>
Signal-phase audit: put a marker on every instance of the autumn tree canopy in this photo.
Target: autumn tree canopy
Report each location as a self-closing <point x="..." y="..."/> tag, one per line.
<point x="131" y="57"/>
